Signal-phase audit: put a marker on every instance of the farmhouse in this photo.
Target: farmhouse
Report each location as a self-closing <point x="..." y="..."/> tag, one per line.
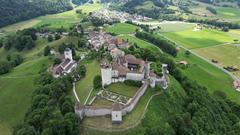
<point x="66" y="66"/>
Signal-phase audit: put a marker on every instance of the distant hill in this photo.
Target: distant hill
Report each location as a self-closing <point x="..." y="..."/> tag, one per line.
<point x="79" y="2"/>
<point x="12" y="11"/>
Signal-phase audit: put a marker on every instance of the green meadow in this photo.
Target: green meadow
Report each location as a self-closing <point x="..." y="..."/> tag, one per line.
<point x="17" y="86"/>
<point x="85" y="85"/>
<point x="123" y="89"/>
<point x="199" y="39"/>
<point x="122" y="28"/>
<point x="209" y="76"/>
<point x="15" y="93"/>
<point x="139" y="42"/>
<point x="228" y="13"/>
<point x="226" y="55"/>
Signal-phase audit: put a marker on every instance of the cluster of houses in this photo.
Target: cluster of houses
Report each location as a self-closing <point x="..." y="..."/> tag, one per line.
<point x="102" y="39"/>
<point x="117" y="16"/>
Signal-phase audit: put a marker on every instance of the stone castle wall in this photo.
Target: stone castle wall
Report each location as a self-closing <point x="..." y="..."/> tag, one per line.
<point x="92" y="111"/>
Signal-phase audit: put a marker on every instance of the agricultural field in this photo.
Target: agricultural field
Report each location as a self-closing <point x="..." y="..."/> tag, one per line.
<point x="208" y="75"/>
<point x="85" y="85"/>
<point x="226" y="55"/>
<point x="122" y="28"/>
<point x="206" y="43"/>
<point x="169" y="26"/>
<point x="199" y="39"/>
<point x="229" y="13"/>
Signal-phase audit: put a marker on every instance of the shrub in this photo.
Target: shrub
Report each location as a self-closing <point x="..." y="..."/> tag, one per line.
<point x="133" y="83"/>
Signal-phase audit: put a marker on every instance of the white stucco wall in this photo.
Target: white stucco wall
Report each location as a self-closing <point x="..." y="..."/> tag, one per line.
<point x="135" y="76"/>
<point x="106" y="76"/>
<point x="116" y="116"/>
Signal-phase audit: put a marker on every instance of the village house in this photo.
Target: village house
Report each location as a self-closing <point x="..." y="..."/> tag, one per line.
<point x="102" y="39"/>
<point x="66" y="66"/>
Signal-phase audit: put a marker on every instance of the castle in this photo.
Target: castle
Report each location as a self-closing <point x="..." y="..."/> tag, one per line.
<point x="123" y="68"/>
<point x="128" y="67"/>
<point x="66" y="66"/>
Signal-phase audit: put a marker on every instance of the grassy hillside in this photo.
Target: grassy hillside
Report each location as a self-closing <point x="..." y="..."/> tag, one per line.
<point x="198" y="39"/>
<point x="122" y="28"/>
<point x="55" y="21"/>
<point x="19" y="10"/>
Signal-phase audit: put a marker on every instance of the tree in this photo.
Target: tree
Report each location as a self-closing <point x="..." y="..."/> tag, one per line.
<point x="50" y="38"/>
<point x="47" y="51"/>
<point x="57" y="36"/>
<point x="81" y="70"/>
<point x="187" y="53"/>
<point x="24" y="129"/>
<point x="82" y="43"/>
<point x="97" y="82"/>
<point x="57" y="61"/>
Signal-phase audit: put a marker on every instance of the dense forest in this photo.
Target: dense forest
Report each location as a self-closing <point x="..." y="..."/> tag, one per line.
<point x="12" y="11"/>
<point x="79" y="2"/>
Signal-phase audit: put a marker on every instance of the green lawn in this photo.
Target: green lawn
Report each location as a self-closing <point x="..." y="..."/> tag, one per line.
<point x="15" y="93"/>
<point x="122" y="28"/>
<point x="102" y="103"/>
<point x="139" y="42"/>
<point x="123" y="89"/>
<point x="226" y="55"/>
<point x="84" y="86"/>
<point x="199" y="39"/>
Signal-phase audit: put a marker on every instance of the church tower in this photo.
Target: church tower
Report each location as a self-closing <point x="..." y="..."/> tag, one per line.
<point x="68" y="54"/>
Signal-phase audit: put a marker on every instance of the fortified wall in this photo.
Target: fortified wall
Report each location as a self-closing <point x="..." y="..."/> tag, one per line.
<point x="93" y="111"/>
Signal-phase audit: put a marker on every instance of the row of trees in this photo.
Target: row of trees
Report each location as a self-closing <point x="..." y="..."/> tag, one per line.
<point x="165" y="45"/>
<point x="52" y="110"/>
<point x="21" y="40"/>
<point x="10" y="62"/>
